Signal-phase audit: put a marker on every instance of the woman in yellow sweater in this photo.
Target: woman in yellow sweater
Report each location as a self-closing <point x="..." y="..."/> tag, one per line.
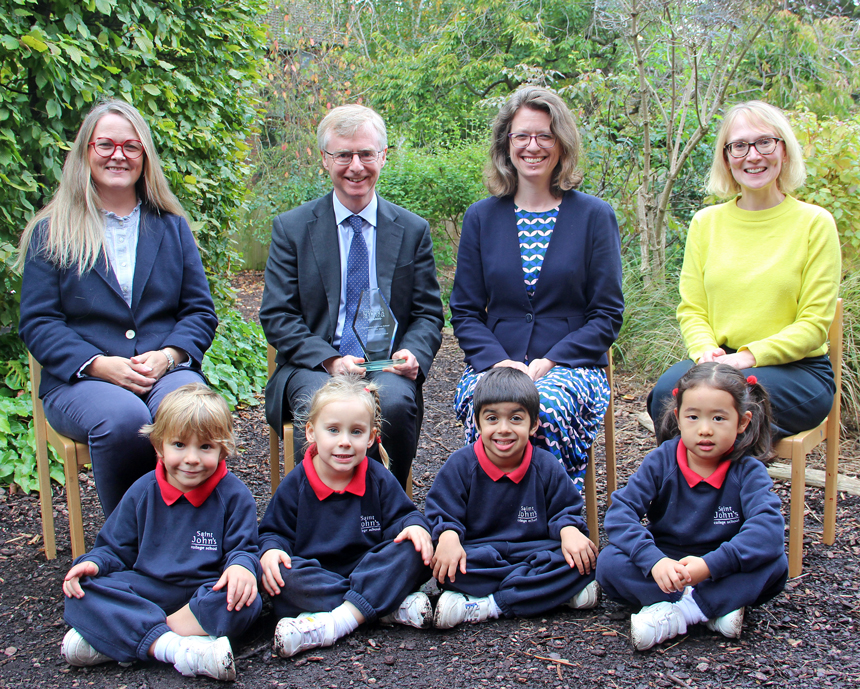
<point x="761" y="272"/>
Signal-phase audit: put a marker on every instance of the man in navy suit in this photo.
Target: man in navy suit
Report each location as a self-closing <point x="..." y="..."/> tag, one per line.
<point x="315" y="256"/>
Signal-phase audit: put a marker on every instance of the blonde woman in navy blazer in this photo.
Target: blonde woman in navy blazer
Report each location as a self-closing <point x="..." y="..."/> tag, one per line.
<point x="538" y="282"/>
<point x="116" y="324"/>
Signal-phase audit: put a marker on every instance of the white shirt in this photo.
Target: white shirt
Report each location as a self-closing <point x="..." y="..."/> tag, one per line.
<point x="121" y="246"/>
<point x="344" y="241"/>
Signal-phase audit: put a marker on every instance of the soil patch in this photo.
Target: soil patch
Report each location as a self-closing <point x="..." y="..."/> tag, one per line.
<point x="806" y="637"/>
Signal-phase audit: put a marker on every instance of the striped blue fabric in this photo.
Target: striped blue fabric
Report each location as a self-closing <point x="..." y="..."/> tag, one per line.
<point x="534" y="231"/>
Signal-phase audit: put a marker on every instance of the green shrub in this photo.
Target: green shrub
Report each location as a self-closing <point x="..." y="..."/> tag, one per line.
<point x="235" y="364"/>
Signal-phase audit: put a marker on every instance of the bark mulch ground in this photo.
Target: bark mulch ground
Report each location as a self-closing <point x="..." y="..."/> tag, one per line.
<point x="806" y="637"/>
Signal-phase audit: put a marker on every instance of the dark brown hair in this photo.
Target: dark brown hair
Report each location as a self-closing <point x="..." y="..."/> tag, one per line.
<point x="756" y="440"/>
<point x="505" y="384"/>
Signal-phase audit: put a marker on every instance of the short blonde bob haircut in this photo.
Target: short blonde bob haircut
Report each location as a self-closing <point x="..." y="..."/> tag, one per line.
<point x="193" y="409"/>
<point x="346" y="120"/>
<point x="501" y="175"/>
<point x="722" y="184"/>
<point x="74" y="236"/>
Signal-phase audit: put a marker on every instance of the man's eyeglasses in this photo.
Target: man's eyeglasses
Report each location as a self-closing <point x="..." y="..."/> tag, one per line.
<point x="519" y="140"/>
<point x="106" y="147"/>
<point x="765" y="146"/>
<point x="366" y="156"/>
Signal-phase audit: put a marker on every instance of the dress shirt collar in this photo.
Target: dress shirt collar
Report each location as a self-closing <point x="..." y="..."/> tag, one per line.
<point x="368" y="213"/>
<point x="715" y="480"/>
<point x="196" y="496"/>
<point x="494" y="472"/>
<point x="356" y="486"/>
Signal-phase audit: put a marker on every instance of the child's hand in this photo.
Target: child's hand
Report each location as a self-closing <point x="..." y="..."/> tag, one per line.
<point x="272" y="561"/>
<point x="670" y="575"/>
<point x="578" y="549"/>
<point x="71" y="582"/>
<point x="241" y="586"/>
<point x="421" y="538"/>
<point x="449" y="557"/>
<point x="697" y="568"/>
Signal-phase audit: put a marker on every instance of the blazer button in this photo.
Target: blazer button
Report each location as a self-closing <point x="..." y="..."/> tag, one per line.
<point x="529" y="318"/>
<point x="129" y="334"/>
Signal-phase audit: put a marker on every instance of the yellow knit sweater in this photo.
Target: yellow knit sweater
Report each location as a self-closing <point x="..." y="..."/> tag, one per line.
<point x="765" y="281"/>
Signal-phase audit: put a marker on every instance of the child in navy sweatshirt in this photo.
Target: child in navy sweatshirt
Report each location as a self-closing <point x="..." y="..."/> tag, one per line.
<point x="507" y="518"/>
<point x="174" y="569"/>
<point x="342" y="544"/>
<point x="715" y="538"/>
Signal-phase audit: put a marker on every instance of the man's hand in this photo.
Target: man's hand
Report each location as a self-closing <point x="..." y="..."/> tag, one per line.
<point x="271" y="561"/>
<point x="670" y="575"/>
<point x="137" y="377"/>
<point x="420" y="538"/>
<point x="241" y="586"/>
<point x="578" y="549"/>
<point x="341" y="365"/>
<point x="71" y="582"/>
<point x="408" y="369"/>
<point x="449" y="557"/>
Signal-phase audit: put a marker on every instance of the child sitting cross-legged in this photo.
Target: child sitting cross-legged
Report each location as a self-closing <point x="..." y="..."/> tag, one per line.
<point x="342" y="544"/>
<point x="174" y="569"/>
<point x="715" y="539"/>
<point x="507" y="517"/>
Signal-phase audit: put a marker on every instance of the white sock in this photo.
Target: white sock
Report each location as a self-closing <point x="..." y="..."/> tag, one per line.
<point x="166" y="646"/>
<point x="688" y="606"/>
<point x="344" y="621"/>
<point x="495" y="611"/>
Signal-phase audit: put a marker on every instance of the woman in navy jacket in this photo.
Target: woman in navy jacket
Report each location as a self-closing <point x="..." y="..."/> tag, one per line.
<point x="115" y="305"/>
<point x="538" y="282"/>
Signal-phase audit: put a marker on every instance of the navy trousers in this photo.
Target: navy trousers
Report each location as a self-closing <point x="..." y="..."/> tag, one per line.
<point x="801" y="393"/>
<point x="402" y="409"/>
<point x="376" y="585"/>
<point x="123" y="613"/>
<point x="622" y="580"/>
<point x="525" y="579"/>
<point x="108" y="418"/>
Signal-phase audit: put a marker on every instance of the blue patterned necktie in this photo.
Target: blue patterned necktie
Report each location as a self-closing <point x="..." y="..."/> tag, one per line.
<point x="357" y="280"/>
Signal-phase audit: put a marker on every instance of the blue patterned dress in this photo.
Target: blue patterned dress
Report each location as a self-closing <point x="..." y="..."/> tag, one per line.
<point x="572" y="400"/>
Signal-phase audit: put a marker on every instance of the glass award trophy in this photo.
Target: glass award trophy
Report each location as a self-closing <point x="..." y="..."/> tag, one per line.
<point x="375" y="328"/>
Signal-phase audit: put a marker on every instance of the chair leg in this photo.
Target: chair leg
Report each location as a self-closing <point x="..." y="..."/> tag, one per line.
<point x="591" y="500"/>
<point x="73" y="501"/>
<point x="274" y="462"/>
<point x="289" y="455"/>
<point x="797" y="510"/>
<point x="409" y="484"/>
<point x="609" y="446"/>
<point x="45" y="495"/>
<point x="832" y="476"/>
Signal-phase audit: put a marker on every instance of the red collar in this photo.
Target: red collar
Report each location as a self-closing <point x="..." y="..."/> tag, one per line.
<point x="356" y="486"/>
<point x="693" y="479"/>
<point x="494" y="472"/>
<point x="196" y="496"/>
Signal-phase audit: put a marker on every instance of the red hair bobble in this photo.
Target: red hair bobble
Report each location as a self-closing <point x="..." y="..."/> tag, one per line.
<point x="674" y="392"/>
<point x="752" y="380"/>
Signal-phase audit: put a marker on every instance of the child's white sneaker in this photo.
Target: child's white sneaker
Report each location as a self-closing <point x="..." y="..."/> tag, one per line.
<point x="729" y="625"/>
<point x="415" y="610"/>
<point x="309" y="630"/>
<point x="653" y="624"/>
<point x="586" y="599"/>
<point x="206" y="655"/>
<point x="455" y="608"/>
<point x="78" y="652"/>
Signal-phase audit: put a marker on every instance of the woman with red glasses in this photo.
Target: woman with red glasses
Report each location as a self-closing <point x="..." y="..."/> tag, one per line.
<point x="761" y="273"/>
<point x="115" y="305"/>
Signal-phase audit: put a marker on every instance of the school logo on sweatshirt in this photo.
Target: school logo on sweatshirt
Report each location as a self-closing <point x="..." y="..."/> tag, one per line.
<point x="726" y="514"/>
<point x="369" y="523"/>
<point x="527" y="514"/>
<point x="204" y="540"/>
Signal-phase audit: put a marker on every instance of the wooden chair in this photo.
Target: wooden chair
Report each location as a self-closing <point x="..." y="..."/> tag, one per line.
<point x="73" y="455"/>
<point x="289" y="457"/>
<point x="590" y="472"/>
<point x="796" y="447"/>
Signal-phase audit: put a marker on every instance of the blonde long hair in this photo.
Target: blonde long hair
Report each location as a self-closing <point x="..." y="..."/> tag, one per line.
<point x="74" y="226"/>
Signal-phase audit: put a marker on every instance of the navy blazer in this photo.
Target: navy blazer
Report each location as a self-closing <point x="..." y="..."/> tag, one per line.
<point x="576" y="311"/>
<point x="302" y="293"/>
<point x="67" y="319"/>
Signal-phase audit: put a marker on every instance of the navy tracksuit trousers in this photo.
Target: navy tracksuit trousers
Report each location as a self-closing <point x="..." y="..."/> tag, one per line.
<point x="525" y="579"/>
<point x="123" y="613"/>
<point x="622" y="580"/>
<point x="376" y="584"/>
